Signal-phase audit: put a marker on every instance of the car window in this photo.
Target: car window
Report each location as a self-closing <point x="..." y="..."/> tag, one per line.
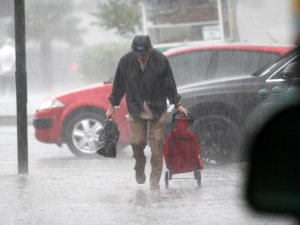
<point x="277" y="74"/>
<point x="273" y="67"/>
<point x="237" y="62"/>
<point x="191" y="67"/>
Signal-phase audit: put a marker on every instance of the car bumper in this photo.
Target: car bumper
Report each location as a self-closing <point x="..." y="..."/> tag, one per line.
<point x="47" y="125"/>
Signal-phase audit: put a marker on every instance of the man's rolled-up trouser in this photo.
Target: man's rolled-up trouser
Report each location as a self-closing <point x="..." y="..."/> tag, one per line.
<point x="155" y="130"/>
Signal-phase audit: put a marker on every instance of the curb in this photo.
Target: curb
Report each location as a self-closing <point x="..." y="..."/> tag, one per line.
<point x="12" y="120"/>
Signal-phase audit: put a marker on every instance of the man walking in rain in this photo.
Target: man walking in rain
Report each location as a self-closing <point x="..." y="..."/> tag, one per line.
<point x="145" y="76"/>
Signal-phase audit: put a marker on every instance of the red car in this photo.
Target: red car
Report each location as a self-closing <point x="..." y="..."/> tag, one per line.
<point x="77" y="117"/>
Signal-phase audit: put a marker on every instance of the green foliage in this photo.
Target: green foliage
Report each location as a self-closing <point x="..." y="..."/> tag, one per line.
<point x="99" y="63"/>
<point x="123" y="15"/>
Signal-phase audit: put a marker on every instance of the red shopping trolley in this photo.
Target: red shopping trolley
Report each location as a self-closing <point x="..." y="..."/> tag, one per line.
<point x="182" y="150"/>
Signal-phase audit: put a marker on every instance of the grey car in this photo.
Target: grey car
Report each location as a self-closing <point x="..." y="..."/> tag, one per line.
<point x="222" y="107"/>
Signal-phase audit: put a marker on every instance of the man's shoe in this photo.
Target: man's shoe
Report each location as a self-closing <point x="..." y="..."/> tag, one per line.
<point x="140" y="173"/>
<point x="140" y="177"/>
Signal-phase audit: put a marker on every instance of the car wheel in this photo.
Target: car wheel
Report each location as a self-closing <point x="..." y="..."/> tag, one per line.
<point x="219" y="138"/>
<point x="82" y="133"/>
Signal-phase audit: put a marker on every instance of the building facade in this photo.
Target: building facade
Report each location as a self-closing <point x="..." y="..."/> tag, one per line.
<point x="169" y="21"/>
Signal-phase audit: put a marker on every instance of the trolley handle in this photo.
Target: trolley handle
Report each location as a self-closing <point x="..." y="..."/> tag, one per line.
<point x="189" y="117"/>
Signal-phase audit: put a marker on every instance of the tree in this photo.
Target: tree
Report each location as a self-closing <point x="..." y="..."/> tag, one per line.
<point x="123" y="15"/>
<point x="7" y="8"/>
<point x="48" y="21"/>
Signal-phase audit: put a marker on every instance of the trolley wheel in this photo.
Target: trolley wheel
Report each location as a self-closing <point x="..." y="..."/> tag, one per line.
<point x="199" y="178"/>
<point x="170" y="174"/>
<point x="167" y="179"/>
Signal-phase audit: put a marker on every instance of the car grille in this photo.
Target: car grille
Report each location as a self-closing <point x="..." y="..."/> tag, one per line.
<point x="42" y="123"/>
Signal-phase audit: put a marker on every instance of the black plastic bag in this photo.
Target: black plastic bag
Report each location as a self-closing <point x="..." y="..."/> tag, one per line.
<point x="108" y="140"/>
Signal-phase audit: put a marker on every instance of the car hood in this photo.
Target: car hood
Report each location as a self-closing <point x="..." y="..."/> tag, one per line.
<point x="220" y="85"/>
<point x="90" y="90"/>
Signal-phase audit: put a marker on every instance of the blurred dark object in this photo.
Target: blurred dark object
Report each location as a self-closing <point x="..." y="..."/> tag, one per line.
<point x="274" y="171"/>
<point x="274" y="174"/>
<point x="108" y="140"/>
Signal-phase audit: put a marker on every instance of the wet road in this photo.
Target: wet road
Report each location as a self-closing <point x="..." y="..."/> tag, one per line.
<point x="63" y="189"/>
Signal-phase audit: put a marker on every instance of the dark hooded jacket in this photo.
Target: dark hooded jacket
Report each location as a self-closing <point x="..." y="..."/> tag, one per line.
<point x="154" y="85"/>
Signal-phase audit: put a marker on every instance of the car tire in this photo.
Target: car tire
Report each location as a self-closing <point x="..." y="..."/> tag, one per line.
<point x="219" y="137"/>
<point x="82" y="132"/>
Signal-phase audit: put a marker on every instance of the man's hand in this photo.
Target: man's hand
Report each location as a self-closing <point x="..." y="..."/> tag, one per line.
<point x="180" y="109"/>
<point x="110" y="113"/>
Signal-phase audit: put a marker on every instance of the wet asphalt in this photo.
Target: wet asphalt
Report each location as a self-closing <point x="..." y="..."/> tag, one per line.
<point x="64" y="189"/>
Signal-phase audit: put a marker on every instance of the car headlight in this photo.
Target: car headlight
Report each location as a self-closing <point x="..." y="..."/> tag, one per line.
<point x="50" y="104"/>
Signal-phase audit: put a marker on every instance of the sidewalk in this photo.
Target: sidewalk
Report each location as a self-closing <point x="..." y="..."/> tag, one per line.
<point x="11" y="120"/>
<point x="8" y="109"/>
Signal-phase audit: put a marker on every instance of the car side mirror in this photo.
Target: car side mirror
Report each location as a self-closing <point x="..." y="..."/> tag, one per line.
<point x="291" y="72"/>
<point x="274" y="165"/>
